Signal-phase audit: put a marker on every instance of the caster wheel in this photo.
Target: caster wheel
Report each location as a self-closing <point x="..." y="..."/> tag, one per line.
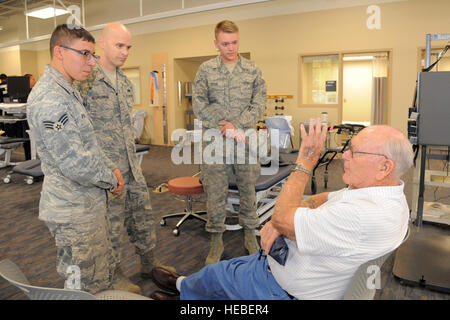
<point x="176" y="232"/>
<point x="29" y="181"/>
<point x="7" y="179"/>
<point x="162" y="222"/>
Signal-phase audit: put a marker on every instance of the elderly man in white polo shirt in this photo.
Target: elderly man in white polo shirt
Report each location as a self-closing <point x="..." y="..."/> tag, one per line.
<point x="328" y="235"/>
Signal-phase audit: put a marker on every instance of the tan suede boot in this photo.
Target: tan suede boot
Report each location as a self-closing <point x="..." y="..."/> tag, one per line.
<point x="250" y="242"/>
<point x="216" y="249"/>
<point x="121" y="282"/>
<point x="149" y="261"/>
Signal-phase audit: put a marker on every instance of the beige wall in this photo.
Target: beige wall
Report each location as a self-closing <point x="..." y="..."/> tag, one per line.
<point x="42" y="58"/>
<point x="10" y="61"/>
<point x="16" y="62"/>
<point x="28" y="63"/>
<point x="275" y="44"/>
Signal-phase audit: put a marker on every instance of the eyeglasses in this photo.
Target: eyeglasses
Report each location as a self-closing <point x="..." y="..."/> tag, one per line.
<point x="362" y="152"/>
<point x="86" y="54"/>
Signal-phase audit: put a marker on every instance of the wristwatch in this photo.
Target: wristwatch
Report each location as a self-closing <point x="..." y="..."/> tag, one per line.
<point x="299" y="167"/>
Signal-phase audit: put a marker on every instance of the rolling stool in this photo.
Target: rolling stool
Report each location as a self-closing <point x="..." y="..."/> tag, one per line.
<point x="186" y="186"/>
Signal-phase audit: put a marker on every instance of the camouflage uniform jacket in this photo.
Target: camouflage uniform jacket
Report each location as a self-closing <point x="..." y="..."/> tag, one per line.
<point x="73" y="165"/>
<point x="239" y="97"/>
<point x="110" y="110"/>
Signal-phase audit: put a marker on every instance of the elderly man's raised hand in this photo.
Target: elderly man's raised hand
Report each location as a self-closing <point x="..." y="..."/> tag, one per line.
<point x="312" y="143"/>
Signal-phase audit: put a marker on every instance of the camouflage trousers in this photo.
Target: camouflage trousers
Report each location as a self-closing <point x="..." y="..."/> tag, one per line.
<point x="132" y="209"/>
<point x="215" y="180"/>
<point x="84" y="245"/>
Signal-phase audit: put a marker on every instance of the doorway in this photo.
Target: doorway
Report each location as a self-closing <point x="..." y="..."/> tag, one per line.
<point x="365" y="80"/>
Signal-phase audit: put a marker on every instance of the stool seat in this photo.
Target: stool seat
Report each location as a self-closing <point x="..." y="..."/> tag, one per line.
<point x="185" y="185"/>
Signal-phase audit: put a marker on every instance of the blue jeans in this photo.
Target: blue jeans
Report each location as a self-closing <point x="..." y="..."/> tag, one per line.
<point x="242" y="278"/>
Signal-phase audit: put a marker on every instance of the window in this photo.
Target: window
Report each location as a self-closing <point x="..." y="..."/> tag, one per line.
<point x="353" y="85"/>
<point x="319" y="79"/>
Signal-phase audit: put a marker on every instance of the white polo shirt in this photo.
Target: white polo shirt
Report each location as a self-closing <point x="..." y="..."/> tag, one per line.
<point x="333" y="240"/>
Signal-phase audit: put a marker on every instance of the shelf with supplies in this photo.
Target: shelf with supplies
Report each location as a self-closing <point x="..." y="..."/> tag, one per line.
<point x="432" y="178"/>
<point x="277" y="104"/>
<point x="435" y="178"/>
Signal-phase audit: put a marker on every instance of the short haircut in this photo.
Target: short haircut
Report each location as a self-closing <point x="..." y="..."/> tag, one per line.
<point x="226" y="26"/>
<point x="396" y="147"/>
<point x="65" y="34"/>
<point x="401" y="152"/>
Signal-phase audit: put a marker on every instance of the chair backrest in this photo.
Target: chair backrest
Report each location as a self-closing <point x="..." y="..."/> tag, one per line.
<point x="11" y="273"/>
<point x="284" y="131"/>
<point x="119" y="295"/>
<point x="361" y="286"/>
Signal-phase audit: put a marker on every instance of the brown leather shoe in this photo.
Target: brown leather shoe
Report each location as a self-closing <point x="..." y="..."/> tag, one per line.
<point x="161" y="295"/>
<point x="165" y="279"/>
<point x="148" y="262"/>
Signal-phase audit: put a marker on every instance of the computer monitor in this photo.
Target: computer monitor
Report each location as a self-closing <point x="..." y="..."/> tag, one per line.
<point x="18" y="88"/>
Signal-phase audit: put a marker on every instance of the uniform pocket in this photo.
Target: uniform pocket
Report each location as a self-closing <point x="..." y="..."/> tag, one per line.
<point x="130" y="97"/>
<point x="246" y="85"/>
<point x="216" y="90"/>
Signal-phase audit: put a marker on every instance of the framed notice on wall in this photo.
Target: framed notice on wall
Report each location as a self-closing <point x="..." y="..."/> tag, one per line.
<point x="331" y="94"/>
<point x="330" y="86"/>
<point x="319" y="78"/>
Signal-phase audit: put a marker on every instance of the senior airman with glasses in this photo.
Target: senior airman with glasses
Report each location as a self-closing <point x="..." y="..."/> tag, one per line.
<point x="73" y="198"/>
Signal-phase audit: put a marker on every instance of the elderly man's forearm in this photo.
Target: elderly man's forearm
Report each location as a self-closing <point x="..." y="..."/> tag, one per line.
<point x="289" y="200"/>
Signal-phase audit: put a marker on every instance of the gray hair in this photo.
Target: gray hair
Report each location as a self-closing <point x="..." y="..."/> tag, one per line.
<point x="399" y="149"/>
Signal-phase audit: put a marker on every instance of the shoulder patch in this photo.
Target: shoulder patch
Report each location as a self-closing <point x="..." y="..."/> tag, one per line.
<point x="58" y="125"/>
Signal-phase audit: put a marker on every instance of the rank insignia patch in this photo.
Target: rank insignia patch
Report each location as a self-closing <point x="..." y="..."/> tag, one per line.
<point x="58" y="125"/>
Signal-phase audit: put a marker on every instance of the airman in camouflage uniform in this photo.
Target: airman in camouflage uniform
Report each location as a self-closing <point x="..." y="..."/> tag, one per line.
<point x="109" y="101"/>
<point x="229" y="94"/>
<point x="73" y="198"/>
